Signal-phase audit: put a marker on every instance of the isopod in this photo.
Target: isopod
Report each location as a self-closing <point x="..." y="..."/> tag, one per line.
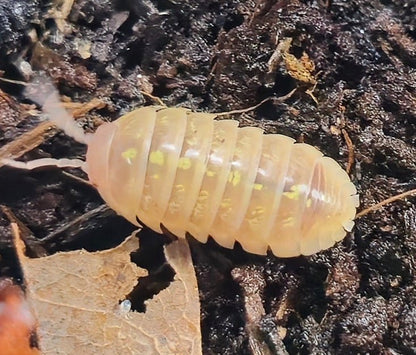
<point x="193" y="174"/>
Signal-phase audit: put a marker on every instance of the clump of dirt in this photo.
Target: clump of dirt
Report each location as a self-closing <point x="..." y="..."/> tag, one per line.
<point x="353" y="65"/>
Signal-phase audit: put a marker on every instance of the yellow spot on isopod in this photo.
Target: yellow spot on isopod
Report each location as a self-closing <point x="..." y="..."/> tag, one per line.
<point x="129" y="154"/>
<point x="226" y="203"/>
<point x="308" y="202"/>
<point x="210" y="173"/>
<point x="203" y="195"/>
<point x="234" y="178"/>
<point x="184" y="163"/>
<point x="157" y="158"/>
<point x="259" y="210"/>
<point x="294" y="192"/>
<point x="155" y="176"/>
<point x="258" y="187"/>
<point x="288" y="221"/>
<point x="256" y="216"/>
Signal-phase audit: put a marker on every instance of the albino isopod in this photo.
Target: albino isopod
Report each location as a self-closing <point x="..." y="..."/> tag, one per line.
<point x="193" y="174"/>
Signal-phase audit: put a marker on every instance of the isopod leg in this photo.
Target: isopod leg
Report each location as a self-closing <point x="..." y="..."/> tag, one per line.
<point x="38" y="163"/>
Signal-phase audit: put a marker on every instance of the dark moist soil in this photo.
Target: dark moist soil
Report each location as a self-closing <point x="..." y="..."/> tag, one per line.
<point x="357" y="297"/>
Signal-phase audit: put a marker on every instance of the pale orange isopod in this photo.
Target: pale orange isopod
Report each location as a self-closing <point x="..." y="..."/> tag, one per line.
<point x="193" y="174"/>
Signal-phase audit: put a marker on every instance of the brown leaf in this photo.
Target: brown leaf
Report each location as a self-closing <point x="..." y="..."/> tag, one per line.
<point x="76" y="298"/>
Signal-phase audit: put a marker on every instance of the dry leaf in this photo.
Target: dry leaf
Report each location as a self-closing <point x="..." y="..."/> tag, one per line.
<point x="76" y="297"/>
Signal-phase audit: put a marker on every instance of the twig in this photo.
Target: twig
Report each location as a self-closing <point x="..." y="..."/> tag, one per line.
<point x="78" y="179"/>
<point x="18" y="82"/>
<point x="80" y="109"/>
<point x="28" y="141"/>
<point x="26" y="234"/>
<point x="100" y="210"/>
<point x="350" y="147"/>
<point x="279" y="99"/>
<point x="385" y="202"/>
<point x="154" y="98"/>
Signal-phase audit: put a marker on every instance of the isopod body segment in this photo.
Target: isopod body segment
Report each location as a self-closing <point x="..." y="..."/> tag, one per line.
<point x="191" y="173"/>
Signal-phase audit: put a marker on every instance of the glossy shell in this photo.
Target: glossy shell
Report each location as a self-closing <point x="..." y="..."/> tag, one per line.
<point x="194" y="174"/>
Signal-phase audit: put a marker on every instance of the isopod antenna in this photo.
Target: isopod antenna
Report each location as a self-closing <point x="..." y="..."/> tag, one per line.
<point x="42" y="92"/>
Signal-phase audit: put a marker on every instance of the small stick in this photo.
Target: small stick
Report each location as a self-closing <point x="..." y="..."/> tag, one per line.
<point x="27" y="141"/>
<point x="18" y="82"/>
<point x="78" y="179"/>
<point x="26" y="234"/>
<point x="385" y="202"/>
<point x="243" y="110"/>
<point x="280" y="99"/>
<point x="80" y="109"/>
<point x="100" y="210"/>
<point x="350" y="147"/>
<point x="154" y="98"/>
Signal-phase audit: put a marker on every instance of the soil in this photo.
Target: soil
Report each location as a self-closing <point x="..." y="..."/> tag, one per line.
<point x="214" y="55"/>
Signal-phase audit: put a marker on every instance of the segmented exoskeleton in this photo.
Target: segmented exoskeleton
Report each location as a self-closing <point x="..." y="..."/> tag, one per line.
<point x="207" y="177"/>
<point x="193" y="174"/>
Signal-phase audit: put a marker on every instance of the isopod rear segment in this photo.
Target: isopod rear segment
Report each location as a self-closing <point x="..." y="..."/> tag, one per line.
<point x="191" y="173"/>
